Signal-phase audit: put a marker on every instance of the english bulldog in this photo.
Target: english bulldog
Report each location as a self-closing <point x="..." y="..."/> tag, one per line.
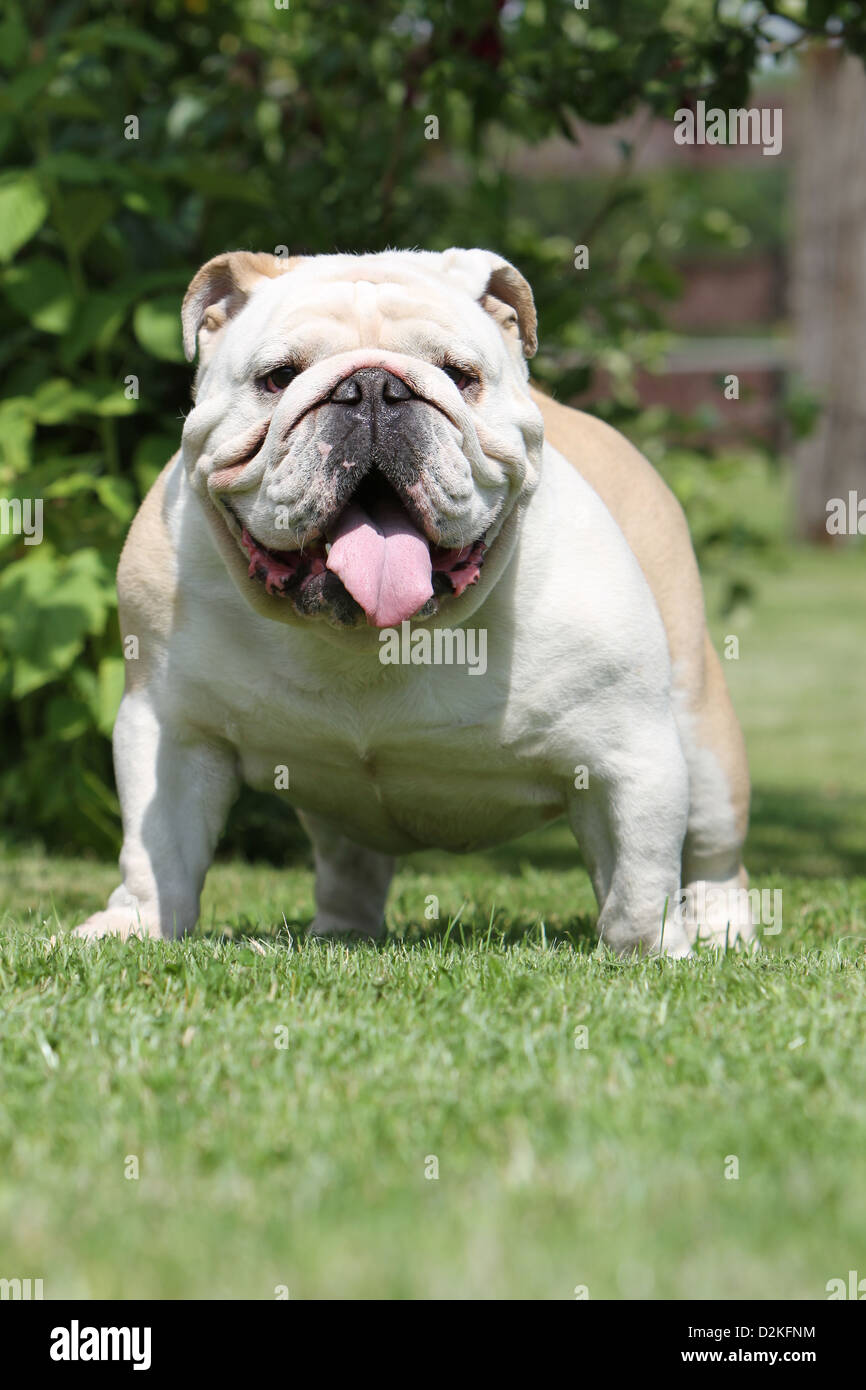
<point x="367" y="466"/>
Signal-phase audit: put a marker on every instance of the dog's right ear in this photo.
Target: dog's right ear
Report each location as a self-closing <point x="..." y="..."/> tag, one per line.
<point x="499" y="288"/>
<point x="220" y="288"/>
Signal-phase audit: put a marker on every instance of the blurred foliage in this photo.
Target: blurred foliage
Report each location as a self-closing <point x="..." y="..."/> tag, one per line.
<point x="716" y="210"/>
<point x="139" y="139"/>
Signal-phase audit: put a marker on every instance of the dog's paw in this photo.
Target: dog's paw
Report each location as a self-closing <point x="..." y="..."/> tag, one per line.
<point x="626" y="939"/>
<point x="719" y="915"/>
<point x="672" y="947"/>
<point x="116" y="921"/>
<point x="345" y="928"/>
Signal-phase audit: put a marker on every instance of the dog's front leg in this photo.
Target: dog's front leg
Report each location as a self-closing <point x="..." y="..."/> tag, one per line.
<point x="175" y="791"/>
<point x="630" y="821"/>
<point x="351" y="882"/>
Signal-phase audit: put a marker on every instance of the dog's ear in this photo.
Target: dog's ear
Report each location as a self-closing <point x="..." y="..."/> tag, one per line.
<point x="220" y="288"/>
<point x="500" y="289"/>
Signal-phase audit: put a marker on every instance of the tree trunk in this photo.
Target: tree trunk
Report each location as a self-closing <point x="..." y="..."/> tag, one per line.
<point x="829" y="281"/>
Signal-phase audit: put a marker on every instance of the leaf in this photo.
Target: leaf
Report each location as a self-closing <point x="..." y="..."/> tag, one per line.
<point x="42" y="291"/>
<point x="19" y="95"/>
<point x="94" y="37"/>
<point x="80" y="216"/>
<point x="115" y="402"/>
<point x="71" y="167"/>
<point x="13" y="42"/>
<point x="59" y="400"/>
<point x="151" y="456"/>
<point x="115" y="494"/>
<point x="157" y="328"/>
<point x="188" y="110"/>
<point x="16" y="435"/>
<point x="23" y="209"/>
<point x="96" y="325"/>
<point x="66" y="719"/>
<point x="148" y="201"/>
<point x="224" y="185"/>
<point x="143" y="282"/>
<point x="49" y="605"/>
<point x="112" y="674"/>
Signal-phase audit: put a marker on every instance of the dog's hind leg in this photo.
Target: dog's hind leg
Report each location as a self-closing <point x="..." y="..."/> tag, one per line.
<point x="716" y="904"/>
<point x="351" y="882"/>
<point x="629" y="822"/>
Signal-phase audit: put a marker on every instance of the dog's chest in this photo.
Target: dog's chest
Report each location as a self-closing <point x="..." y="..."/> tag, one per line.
<point x="436" y="761"/>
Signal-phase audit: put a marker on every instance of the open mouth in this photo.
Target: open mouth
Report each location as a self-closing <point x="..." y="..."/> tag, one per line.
<point x="373" y="555"/>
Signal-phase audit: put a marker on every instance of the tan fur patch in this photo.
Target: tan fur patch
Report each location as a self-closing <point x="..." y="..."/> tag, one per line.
<point x="146" y="583"/>
<point x="653" y="523"/>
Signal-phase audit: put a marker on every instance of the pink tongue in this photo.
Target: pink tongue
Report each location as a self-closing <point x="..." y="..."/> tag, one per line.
<point x="383" y="560"/>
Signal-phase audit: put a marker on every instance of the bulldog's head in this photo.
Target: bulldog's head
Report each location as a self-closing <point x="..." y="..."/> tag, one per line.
<point x="362" y="428"/>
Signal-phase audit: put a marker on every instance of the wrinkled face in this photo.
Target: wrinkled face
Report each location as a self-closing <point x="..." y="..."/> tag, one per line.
<point x="362" y="430"/>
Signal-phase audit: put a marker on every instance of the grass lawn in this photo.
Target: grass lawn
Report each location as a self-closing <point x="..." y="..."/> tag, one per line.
<point x="284" y="1100"/>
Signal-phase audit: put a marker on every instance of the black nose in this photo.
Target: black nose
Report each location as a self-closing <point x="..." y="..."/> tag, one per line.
<point x="372" y="385"/>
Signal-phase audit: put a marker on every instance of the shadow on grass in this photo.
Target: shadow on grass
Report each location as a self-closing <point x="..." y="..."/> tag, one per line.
<point x="805" y="832"/>
<point x="469" y="930"/>
<point x="811" y="832"/>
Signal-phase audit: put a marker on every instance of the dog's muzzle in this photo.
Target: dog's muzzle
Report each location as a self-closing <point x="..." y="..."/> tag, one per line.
<point x="374" y="437"/>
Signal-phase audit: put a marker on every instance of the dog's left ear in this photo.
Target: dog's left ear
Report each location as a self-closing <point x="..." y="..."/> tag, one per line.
<point x="500" y="289"/>
<point x="220" y="288"/>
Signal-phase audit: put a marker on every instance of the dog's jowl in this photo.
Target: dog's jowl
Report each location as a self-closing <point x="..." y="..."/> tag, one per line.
<point x="366" y="455"/>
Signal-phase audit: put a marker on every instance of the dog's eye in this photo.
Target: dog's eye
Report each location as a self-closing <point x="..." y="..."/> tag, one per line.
<point x="279" y="378"/>
<point x="462" y="380"/>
